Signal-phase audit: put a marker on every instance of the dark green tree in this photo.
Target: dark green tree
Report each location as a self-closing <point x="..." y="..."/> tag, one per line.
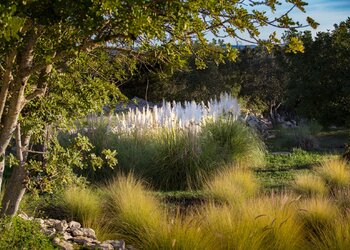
<point x="319" y="79"/>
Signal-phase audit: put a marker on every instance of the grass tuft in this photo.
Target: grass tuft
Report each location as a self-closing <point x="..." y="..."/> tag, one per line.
<point x="310" y="185"/>
<point x="335" y="172"/>
<point x="232" y="184"/>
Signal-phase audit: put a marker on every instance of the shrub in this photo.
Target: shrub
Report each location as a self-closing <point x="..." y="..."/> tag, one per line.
<point x="302" y="136"/>
<point x="232" y="185"/>
<point x="335" y="172"/>
<point x="17" y="233"/>
<point x="310" y="185"/>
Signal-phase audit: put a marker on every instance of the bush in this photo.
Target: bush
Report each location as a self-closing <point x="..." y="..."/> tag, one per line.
<point x="20" y="234"/>
<point x="302" y="136"/>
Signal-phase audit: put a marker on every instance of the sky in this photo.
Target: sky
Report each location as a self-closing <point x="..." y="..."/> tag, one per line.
<point x="325" y="12"/>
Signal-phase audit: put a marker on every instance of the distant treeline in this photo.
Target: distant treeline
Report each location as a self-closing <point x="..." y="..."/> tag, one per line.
<point x="314" y="84"/>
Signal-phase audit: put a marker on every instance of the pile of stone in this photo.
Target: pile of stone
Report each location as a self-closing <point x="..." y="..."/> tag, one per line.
<point x="71" y="235"/>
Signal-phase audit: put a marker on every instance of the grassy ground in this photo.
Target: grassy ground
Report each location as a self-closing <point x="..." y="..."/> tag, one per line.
<point x="282" y="165"/>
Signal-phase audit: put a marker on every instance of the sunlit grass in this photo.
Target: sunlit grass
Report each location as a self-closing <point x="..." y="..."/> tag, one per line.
<point x="84" y="205"/>
<point x="310" y="185"/>
<point x="335" y="172"/>
<point x="232" y="184"/>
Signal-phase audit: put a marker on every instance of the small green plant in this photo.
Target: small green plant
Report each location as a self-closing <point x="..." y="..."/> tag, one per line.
<point x="17" y="233"/>
<point x="310" y="185"/>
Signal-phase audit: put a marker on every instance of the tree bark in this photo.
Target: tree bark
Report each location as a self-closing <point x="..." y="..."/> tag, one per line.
<point x="16" y="96"/>
<point x="17" y="185"/>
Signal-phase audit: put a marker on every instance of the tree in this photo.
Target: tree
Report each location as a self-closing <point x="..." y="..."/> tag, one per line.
<point x="42" y="38"/>
<point x="319" y="86"/>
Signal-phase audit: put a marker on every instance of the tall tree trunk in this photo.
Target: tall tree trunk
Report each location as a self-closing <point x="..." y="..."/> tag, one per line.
<point x="2" y="166"/>
<point x="15" y="97"/>
<point x="17" y="185"/>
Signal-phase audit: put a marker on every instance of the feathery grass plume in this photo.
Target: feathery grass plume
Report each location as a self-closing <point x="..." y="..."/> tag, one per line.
<point x="335" y="172"/>
<point x="84" y="205"/>
<point x="233" y="142"/>
<point x="232" y="184"/>
<point x="133" y="212"/>
<point x="188" y="115"/>
<point x="276" y="216"/>
<point x="317" y="214"/>
<point x="310" y="185"/>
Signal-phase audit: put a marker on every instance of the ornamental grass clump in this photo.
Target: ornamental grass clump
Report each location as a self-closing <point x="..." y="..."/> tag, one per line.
<point x="335" y="173"/>
<point x="232" y="185"/>
<point x="84" y="205"/>
<point x="229" y="141"/>
<point x="335" y="236"/>
<point x="317" y="214"/>
<point x="276" y="218"/>
<point x="310" y="185"/>
<point x="132" y="211"/>
<point x="179" y="163"/>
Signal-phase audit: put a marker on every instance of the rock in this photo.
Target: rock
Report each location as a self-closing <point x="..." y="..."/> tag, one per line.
<point x="67" y="236"/>
<point x="77" y="232"/>
<point x="90" y="245"/>
<point x="61" y="226"/>
<point x="74" y="224"/>
<point x="51" y="222"/>
<point x="117" y="244"/>
<point x="105" y="246"/>
<point x="82" y="240"/>
<point x="62" y="244"/>
<point x="40" y="221"/>
<point x="24" y="216"/>
<point x="88" y="232"/>
<point x="50" y="232"/>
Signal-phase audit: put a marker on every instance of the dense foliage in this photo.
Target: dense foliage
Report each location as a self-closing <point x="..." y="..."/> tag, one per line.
<point x="313" y="84"/>
<point x="22" y="234"/>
